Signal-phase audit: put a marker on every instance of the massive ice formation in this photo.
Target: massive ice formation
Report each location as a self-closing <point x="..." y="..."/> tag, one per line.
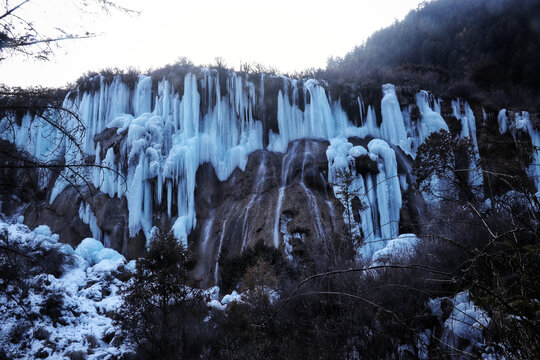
<point x="393" y="126"/>
<point x="167" y="131"/>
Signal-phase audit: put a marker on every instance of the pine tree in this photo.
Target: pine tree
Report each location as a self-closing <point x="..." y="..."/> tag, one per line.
<point x="161" y="313"/>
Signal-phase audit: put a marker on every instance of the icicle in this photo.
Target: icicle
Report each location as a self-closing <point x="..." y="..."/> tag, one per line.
<point x="523" y="122"/>
<point x="388" y="192"/>
<point x="503" y="121"/>
<point x="468" y="130"/>
<point x="392" y="126"/>
<point x="142" y="97"/>
<point x="87" y="216"/>
<point x="431" y="121"/>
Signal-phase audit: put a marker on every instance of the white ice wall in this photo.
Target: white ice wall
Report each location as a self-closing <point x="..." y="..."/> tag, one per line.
<point x="169" y="136"/>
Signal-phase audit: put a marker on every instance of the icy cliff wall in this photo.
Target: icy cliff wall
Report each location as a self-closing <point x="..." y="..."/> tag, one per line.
<point x="166" y="131"/>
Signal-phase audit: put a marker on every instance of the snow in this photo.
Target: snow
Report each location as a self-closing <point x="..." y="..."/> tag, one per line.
<point x="88" y="294"/>
<point x="42" y="230"/>
<point x="217" y="305"/>
<point x="401" y="248"/>
<point x="121" y="122"/>
<point x="467" y="321"/>
<point x="234" y="296"/>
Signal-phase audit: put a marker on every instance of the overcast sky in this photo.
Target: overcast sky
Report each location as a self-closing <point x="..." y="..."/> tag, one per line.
<point x="287" y="34"/>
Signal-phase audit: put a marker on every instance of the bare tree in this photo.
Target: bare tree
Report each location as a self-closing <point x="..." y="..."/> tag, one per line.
<point x="19" y="35"/>
<point x="61" y="125"/>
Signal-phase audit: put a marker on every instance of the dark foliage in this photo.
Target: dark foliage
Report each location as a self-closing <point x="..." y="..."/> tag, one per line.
<point x="33" y="100"/>
<point x="458" y="44"/>
<point x="233" y="268"/>
<point x="19" y="35"/>
<point x="52" y="306"/>
<point x="92" y="80"/>
<point x="449" y="159"/>
<point x="491" y="247"/>
<point x="162" y="314"/>
<point x="41" y="333"/>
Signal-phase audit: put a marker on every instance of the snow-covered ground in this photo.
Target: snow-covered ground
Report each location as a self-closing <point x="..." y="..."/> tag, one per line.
<point x="62" y="316"/>
<point x="70" y="315"/>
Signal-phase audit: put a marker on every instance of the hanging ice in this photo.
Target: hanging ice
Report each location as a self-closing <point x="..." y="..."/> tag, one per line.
<point x="388" y="192"/>
<point x="523" y="122"/>
<point x="503" y="121"/>
<point x="431" y="121"/>
<point x="468" y="130"/>
<point x="382" y="199"/>
<point x="392" y="126"/>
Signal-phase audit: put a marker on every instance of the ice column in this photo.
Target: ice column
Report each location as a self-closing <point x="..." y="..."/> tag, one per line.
<point x="468" y="130"/>
<point x="388" y="192"/>
<point x="392" y="126"/>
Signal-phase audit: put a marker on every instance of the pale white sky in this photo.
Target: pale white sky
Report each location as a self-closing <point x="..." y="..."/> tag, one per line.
<point x="287" y="34"/>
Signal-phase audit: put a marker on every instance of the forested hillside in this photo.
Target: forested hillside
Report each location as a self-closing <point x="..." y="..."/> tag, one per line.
<point x="488" y="49"/>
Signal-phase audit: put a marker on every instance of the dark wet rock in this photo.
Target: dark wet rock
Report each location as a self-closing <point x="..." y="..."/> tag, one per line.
<point x="241" y="211"/>
<point x="62" y="216"/>
<point x="109" y="138"/>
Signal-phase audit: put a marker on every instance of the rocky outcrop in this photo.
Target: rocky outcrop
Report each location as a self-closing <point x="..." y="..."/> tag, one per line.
<point x="62" y="216"/>
<point x="244" y="209"/>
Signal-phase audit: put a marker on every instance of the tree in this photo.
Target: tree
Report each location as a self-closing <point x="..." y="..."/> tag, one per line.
<point x="442" y="167"/>
<point x="491" y="245"/>
<point x="20" y="36"/>
<point x="161" y="313"/>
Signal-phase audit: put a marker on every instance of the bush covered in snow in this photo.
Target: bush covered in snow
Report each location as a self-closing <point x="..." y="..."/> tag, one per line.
<point x="54" y="303"/>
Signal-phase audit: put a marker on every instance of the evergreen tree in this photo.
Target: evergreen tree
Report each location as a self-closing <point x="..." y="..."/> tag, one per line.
<point x="161" y="313"/>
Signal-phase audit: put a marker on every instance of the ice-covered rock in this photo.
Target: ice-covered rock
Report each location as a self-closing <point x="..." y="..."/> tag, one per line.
<point x="400" y="249"/>
<point x="94" y="252"/>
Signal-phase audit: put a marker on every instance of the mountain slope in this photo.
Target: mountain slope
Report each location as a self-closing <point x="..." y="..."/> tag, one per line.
<point x="487" y="45"/>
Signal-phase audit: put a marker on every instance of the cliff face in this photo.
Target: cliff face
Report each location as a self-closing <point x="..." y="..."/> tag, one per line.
<point x="226" y="160"/>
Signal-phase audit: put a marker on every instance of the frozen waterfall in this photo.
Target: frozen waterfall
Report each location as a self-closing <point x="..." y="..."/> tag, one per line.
<point x="167" y="134"/>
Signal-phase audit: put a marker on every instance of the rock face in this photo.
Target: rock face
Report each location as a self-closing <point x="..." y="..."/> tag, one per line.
<point x="282" y="199"/>
<point x="63" y="217"/>
<point x="247" y="208"/>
